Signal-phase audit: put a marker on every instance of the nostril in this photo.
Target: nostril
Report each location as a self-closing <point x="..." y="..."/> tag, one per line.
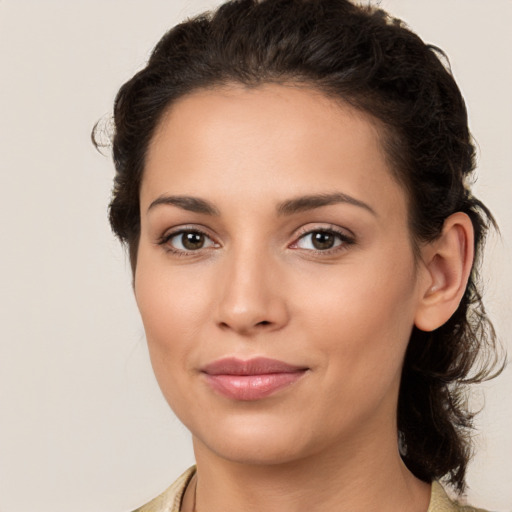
<point x="264" y="322"/>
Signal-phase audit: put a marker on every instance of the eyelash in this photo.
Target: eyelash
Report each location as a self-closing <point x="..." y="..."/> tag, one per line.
<point x="344" y="239"/>
<point x="166" y="238"/>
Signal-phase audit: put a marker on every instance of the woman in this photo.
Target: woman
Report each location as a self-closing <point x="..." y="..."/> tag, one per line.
<point x="292" y="184"/>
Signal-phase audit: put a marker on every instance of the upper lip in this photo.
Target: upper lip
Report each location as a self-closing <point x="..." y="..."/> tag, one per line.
<point x="254" y="366"/>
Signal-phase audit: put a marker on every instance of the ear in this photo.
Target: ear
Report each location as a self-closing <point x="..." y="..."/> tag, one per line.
<point x="447" y="262"/>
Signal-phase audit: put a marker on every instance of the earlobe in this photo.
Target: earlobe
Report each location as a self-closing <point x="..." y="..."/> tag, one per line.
<point x="447" y="262"/>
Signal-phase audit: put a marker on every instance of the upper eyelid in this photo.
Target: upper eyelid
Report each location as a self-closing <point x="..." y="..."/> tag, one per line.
<point x="170" y="233"/>
<point x="346" y="237"/>
<point x="176" y="230"/>
<point x="296" y="235"/>
<point x="314" y="227"/>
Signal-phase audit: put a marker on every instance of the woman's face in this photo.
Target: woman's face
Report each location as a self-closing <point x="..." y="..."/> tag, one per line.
<point x="275" y="277"/>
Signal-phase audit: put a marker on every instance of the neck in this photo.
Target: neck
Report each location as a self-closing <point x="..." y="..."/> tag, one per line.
<point x="369" y="476"/>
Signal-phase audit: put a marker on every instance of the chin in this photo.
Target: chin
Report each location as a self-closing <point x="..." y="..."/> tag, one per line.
<point x="256" y="442"/>
<point x="256" y="452"/>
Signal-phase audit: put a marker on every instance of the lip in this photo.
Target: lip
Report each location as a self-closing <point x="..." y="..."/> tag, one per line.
<point x="252" y="379"/>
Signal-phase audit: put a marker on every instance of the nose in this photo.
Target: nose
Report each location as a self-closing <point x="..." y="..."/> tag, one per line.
<point x="252" y="296"/>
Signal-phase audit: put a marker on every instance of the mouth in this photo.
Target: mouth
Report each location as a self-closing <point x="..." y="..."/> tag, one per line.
<point x="253" y="379"/>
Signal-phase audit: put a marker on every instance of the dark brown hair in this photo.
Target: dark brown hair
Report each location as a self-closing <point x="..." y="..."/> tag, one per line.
<point x="363" y="57"/>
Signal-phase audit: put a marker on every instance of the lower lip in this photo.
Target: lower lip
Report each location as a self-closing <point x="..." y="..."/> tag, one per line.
<point x="252" y="387"/>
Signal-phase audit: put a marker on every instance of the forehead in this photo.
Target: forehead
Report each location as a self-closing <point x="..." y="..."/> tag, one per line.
<point x="272" y="139"/>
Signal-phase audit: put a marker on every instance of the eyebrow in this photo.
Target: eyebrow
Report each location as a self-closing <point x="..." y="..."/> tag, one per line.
<point x="288" y="207"/>
<point x="189" y="203"/>
<point x="310" y="202"/>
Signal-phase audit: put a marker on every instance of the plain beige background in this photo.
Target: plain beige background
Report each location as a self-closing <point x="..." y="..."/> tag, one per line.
<point x="83" y="426"/>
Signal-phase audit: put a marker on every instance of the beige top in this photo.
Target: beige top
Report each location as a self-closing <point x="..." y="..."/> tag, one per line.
<point x="170" y="500"/>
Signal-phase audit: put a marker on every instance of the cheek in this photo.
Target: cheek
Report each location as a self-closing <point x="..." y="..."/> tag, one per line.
<point x="171" y="300"/>
<point x="169" y="334"/>
<point x="363" y="318"/>
<point x="172" y="308"/>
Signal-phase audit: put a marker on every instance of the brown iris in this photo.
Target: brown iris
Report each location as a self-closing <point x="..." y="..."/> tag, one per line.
<point x="322" y="240"/>
<point x="192" y="240"/>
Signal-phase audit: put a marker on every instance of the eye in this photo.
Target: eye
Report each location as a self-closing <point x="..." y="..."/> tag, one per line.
<point x="322" y="240"/>
<point x="187" y="241"/>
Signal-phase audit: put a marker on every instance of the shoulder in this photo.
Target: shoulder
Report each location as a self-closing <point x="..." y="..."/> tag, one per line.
<point x="170" y="499"/>
<point x="440" y="502"/>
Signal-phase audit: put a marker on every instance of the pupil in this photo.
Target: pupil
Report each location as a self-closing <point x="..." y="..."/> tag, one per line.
<point x="322" y="240"/>
<point x="192" y="241"/>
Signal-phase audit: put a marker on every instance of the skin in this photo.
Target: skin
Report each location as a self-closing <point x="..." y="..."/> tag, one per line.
<point x="258" y="287"/>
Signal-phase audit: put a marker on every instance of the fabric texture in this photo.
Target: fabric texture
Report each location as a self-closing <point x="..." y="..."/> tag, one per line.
<point x="170" y="500"/>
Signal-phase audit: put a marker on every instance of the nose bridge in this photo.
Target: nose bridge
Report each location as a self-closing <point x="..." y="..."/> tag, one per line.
<point x="251" y="298"/>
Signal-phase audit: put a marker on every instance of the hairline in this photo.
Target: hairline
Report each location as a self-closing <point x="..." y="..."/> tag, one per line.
<point x="385" y="133"/>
